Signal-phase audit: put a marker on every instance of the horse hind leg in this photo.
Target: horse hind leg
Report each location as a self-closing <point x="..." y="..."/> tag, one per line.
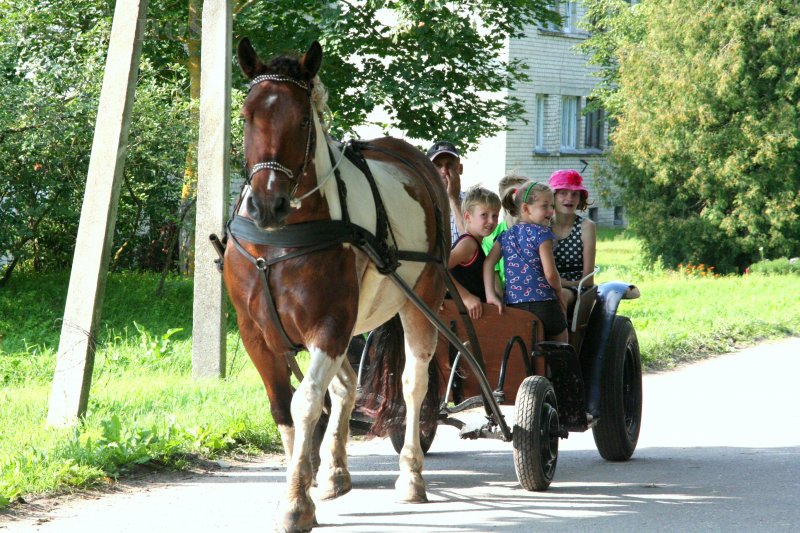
<point x="420" y="340"/>
<point x="334" y="477"/>
<point x="298" y="512"/>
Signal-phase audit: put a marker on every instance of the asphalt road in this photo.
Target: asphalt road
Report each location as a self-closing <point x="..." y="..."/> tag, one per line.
<point x="719" y="451"/>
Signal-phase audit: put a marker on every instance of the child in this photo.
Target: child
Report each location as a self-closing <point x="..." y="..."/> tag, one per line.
<point x="481" y="209"/>
<point x="510" y="181"/>
<point x="532" y="281"/>
<point x="576" y="242"/>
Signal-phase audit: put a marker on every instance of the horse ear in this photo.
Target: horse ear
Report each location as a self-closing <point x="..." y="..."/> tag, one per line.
<point x="312" y="59"/>
<point x="248" y="59"/>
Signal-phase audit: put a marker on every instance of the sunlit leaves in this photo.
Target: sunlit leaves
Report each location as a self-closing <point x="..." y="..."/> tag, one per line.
<point x="706" y="94"/>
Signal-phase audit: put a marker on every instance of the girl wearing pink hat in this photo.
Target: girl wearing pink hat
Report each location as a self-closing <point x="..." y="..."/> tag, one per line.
<point x="576" y="238"/>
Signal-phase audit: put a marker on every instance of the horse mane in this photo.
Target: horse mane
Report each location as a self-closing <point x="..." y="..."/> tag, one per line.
<point x="289" y="65"/>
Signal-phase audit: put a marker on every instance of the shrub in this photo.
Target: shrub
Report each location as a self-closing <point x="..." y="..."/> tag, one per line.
<point x="775" y="267"/>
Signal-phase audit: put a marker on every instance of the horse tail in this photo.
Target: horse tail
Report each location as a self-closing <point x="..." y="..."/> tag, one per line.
<point x="382" y="392"/>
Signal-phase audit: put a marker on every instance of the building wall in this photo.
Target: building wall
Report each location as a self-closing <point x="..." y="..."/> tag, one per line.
<point x="556" y="70"/>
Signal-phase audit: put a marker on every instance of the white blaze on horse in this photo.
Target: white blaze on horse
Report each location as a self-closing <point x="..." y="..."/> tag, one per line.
<point x="319" y="234"/>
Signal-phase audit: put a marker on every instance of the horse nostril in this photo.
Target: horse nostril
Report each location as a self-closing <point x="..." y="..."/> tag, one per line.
<point x="252" y="208"/>
<point x="281" y="206"/>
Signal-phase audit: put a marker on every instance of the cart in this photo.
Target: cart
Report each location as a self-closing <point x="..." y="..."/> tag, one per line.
<point x="598" y="370"/>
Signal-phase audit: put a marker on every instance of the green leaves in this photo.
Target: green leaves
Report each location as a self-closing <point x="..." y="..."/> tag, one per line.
<point x="437" y="68"/>
<point x="706" y="146"/>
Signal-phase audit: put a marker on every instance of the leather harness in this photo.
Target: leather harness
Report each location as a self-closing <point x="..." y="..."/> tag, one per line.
<point x="309" y="237"/>
<point x="313" y="236"/>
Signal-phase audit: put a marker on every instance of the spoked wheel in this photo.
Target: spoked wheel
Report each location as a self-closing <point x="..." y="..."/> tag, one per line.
<point x="535" y="433"/>
<point x="617" y="432"/>
<point x="425" y="438"/>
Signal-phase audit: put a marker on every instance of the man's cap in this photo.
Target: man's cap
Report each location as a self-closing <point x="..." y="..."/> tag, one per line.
<point x="442" y="147"/>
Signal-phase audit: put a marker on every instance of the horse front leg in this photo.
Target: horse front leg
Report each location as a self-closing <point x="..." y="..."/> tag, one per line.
<point x="334" y="477"/>
<point x="298" y="510"/>
<point x="420" y="340"/>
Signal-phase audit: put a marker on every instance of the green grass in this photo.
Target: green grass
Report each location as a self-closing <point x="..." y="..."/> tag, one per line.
<point x="145" y="407"/>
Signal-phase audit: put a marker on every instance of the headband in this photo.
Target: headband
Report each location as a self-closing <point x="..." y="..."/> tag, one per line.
<point x="525" y="198"/>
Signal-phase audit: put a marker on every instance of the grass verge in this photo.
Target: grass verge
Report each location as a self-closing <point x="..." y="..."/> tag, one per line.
<point x="146" y="408"/>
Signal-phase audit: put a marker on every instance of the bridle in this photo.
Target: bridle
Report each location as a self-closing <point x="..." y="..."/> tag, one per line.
<point x="273" y="164"/>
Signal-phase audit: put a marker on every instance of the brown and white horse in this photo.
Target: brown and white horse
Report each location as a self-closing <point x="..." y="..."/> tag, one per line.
<point x="286" y="298"/>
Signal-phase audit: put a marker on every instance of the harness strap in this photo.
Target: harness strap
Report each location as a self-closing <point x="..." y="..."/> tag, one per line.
<point x="442" y="264"/>
<point x="264" y="267"/>
<point x="340" y="185"/>
<point x="382" y="227"/>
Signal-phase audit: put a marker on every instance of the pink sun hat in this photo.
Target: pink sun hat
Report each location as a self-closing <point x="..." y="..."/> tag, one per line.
<point x="567" y="179"/>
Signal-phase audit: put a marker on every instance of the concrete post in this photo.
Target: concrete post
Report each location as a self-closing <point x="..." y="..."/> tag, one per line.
<point x="75" y="359"/>
<point x="213" y="147"/>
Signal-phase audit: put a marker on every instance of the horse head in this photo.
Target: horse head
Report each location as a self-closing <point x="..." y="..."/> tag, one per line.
<point x="279" y="131"/>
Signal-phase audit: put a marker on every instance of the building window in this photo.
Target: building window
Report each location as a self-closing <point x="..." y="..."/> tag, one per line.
<point x="570" y="17"/>
<point x="594" y="129"/>
<point x="553" y="26"/>
<point x="539" y="136"/>
<point x="569" y="122"/>
<point x="593" y="214"/>
<point x="618" y="215"/>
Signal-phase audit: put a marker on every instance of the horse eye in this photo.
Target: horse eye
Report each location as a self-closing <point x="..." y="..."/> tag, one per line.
<point x="305" y="123"/>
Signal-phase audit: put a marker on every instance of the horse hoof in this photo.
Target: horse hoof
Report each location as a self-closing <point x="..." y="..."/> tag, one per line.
<point x="411" y="489"/>
<point x="337" y="485"/>
<point x="294" y="527"/>
<point x="299" y="520"/>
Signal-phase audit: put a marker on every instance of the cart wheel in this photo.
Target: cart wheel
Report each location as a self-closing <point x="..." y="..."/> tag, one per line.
<point x="425" y="439"/>
<point x="535" y="433"/>
<point x="617" y="431"/>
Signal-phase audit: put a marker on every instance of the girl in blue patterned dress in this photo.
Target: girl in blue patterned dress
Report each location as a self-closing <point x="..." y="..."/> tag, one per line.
<point x="532" y="281"/>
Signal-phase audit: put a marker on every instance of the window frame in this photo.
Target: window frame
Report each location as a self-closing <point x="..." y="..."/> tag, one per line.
<point x="538" y="134"/>
<point x="570" y="17"/>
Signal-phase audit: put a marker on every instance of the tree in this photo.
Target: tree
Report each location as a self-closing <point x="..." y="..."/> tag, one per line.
<point x="51" y="67"/>
<point x="436" y="67"/>
<point x="705" y="96"/>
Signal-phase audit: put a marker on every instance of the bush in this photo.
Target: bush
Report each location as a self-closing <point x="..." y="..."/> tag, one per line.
<point x="707" y="133"/>
<point x="776" y="267"/>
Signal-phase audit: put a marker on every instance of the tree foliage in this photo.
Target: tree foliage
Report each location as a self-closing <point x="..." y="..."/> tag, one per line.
<point x="705" y="94"/>
<point x="52" y="60"/>
<point x="437" y="68"/>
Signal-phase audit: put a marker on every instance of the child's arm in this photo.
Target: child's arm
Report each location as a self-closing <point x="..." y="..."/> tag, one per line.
<point x="488" y="276"/>
<point x="463" y="252"/>
<point x="472" y="302"/>
<point x="550" y="271"/>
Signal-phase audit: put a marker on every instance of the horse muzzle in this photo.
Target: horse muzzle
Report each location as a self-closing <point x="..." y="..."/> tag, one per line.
<point x="269" y="214"/>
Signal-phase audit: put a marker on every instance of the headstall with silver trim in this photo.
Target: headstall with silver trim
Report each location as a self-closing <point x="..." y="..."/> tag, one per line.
<point x="272" y="164"/>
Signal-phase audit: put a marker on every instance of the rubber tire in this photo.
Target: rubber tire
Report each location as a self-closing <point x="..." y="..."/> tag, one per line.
<point x="617" y="432"/>
<point x="535" y="433"/>
<point x="425" y="439"/>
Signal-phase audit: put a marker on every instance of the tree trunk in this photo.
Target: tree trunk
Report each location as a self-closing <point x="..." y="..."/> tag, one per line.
<point x="189" y="189"/>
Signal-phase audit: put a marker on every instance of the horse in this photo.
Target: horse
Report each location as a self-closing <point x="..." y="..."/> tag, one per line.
<point x="322" y="240"/>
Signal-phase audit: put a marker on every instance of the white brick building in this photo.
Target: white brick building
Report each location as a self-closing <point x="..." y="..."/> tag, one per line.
<point x="557" y="134"/>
